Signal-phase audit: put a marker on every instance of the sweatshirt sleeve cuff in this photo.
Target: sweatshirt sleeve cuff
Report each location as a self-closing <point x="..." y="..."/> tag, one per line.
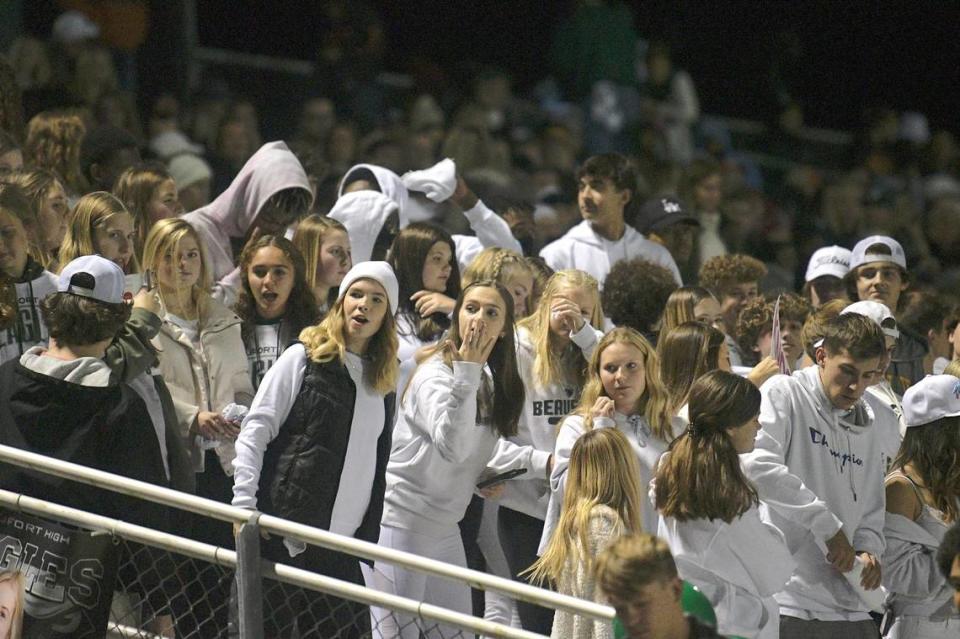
<point x="539" y="461"/>
<point x="468" y="373"/>
<point x="604" y="422"/>
<point x="585" y="337"/>
<point x="478" y="213"/>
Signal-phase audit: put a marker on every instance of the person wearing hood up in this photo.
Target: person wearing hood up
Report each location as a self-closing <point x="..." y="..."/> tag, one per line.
<point x="440" y="183"/>
<point x="817" y="467"/>
<point x="607" y="185"/>
<point x="268" y="195"/>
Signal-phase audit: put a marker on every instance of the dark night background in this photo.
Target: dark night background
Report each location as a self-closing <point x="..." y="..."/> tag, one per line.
<point x="851" y="55"/>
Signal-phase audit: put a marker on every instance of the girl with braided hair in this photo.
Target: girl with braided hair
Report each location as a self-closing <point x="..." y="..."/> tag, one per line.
<point x="709" y="510"/>
<point x="507" y="267"/>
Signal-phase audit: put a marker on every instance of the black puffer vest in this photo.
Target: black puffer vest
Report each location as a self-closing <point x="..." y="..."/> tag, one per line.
<point x="302" y="466"/>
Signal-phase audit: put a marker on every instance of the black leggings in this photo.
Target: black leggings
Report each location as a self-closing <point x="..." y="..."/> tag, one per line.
<point x="520" y="537"/>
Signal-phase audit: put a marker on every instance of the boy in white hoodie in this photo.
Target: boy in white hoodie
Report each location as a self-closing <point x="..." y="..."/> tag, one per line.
<point x="817" y="467"/>
<point x="606" y="185"/>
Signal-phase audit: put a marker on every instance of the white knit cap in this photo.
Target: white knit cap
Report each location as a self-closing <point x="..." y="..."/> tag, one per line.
<point x="187" y="169"/>
<point x="380" y="272"/>
<point x="861" y="257"/>
<point x="829" y="260"/>
<point x="879" y="313"/>
<point x="933" y="397"/>
<point x="93" y="276"/>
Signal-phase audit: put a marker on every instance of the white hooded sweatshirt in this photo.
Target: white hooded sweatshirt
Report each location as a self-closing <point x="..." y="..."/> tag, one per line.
<point x="363" y="214"/>
<point x="390" y="185"/>
<point x="818" y="468"/>
<point x="582" y="248"/>
<point x="271" y="169"/>
<point x="738" y="566"/>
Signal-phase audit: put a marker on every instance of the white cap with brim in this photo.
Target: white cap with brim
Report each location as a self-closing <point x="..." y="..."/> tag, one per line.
<point x="187" y="169"/>
<point x="829" y="260"/>
<point x="879" y="313"/>
<point x="380" y="272"/>
<point x="933" y="397"/>
<point x="94" y="277"/>
<point x="861" y="257"/>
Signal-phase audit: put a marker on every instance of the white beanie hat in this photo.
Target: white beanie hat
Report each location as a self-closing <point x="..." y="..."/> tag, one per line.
<point x="187" y="169"/>
<point x="380" y="272"/>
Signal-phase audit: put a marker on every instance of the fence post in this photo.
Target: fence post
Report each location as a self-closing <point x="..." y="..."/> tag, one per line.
<point x="249" y="583"/>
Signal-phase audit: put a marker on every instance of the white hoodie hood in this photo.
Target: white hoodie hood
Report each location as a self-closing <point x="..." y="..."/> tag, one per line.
<point x="271" y="169"/>
<point x="363" y="214"/>
<point x="390" y="185"/>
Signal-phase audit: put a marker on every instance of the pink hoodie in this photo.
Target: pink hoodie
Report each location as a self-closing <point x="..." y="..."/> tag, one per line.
<point x="271" y="169"/>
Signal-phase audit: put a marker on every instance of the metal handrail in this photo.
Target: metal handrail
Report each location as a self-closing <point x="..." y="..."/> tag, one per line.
<point x="280" y="572"/>
<point x="306" y="534"/>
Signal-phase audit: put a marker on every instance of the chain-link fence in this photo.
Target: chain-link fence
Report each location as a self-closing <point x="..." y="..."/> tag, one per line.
<point x="160" y="585"/>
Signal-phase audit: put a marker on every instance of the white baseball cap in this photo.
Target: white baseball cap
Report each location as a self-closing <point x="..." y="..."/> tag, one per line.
<point x="879" y="313"/>
<point x="380" y="272"/>
<point x="93" y="276"/>
<point x="933" y="397"/>
<point x="829" y="260"/>
<point x="861" y="257"/>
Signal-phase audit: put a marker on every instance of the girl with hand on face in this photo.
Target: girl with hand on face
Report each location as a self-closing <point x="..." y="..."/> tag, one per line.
<point x="622" y="391"/>
<point x="150" y="194"/>
<point x="315" y="445"/>
<point x="459" y="403"/>
<point x="201" y="357"/>
<point x="709" y="510"/>
<point x="23" y="280"/>
<point x="274" y="303"/>
<point x="325" y="247"/>
<point x="49" y="200"/>
<point x="602" y="501"/>
<point x="554" y="346"/>
<point x="424" y="259"/>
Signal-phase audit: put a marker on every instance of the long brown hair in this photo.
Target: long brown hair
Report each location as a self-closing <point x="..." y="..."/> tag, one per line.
<point x="680" y="307"/>
<point x="301" y="308"/>
<point x="603" y="471"/>
<point x="933" y="451"/>
<point x="701" y="477"/>
<point x="309" y="238"/>
<point x="687" y="352"/>
<point x="53" y="142"/>
<point x="407" y="257"/>
<point x="653" y="403"/>
<point x="135" y="188"/>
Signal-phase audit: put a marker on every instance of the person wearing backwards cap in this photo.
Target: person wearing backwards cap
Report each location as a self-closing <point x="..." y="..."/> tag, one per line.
<point x="825" y="272"/>
<point x="58" y="400"/>
<point x="878" y="272"/>
<point x="923" y="501"/>
<point x="315" y="444"/>
<point x="666" y="222"/>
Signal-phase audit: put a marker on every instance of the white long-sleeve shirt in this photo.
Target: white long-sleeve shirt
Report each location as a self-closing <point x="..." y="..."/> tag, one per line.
<point x="818" y="468"/>
<point x="543" y="410"/>
<point x="276" y="396"/>
<point x="439" y="450"/>
<point x="491" y="230"/>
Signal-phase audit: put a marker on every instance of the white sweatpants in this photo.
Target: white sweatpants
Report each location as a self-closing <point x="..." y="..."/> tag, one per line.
<point x="444" y="545"/>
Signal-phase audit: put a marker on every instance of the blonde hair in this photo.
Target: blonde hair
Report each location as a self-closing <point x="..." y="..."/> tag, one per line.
<point x="309" y="237"/>
<point x="680" y="306"/>
<point x="953" y="368"/>
<point x="603" y="471"/>
<point x="551" y="366"/>
<point x="36" y="184"/>
<point x="654" y="403"/>
<point x="327" y="341"/>
<point x="16" y="615"/>
<point x="92" y="210"/>
<point x="135" y="188"/>
<point x="164" y="239"/>
<point x="53" y="142"/>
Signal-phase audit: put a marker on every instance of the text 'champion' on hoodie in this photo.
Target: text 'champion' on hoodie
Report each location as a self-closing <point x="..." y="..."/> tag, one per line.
<point x="582" y="248"/>
<point x="818" y="467"/>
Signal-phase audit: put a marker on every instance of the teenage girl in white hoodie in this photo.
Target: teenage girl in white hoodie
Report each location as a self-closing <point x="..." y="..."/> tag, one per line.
<point x="623" y="391"/>
<point x="710" y="512"/>
<point x="554" y="346"/>
<point x="451" y="418"/>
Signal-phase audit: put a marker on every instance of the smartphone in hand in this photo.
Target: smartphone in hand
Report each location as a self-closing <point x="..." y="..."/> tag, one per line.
<point x="500" y="478"/>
